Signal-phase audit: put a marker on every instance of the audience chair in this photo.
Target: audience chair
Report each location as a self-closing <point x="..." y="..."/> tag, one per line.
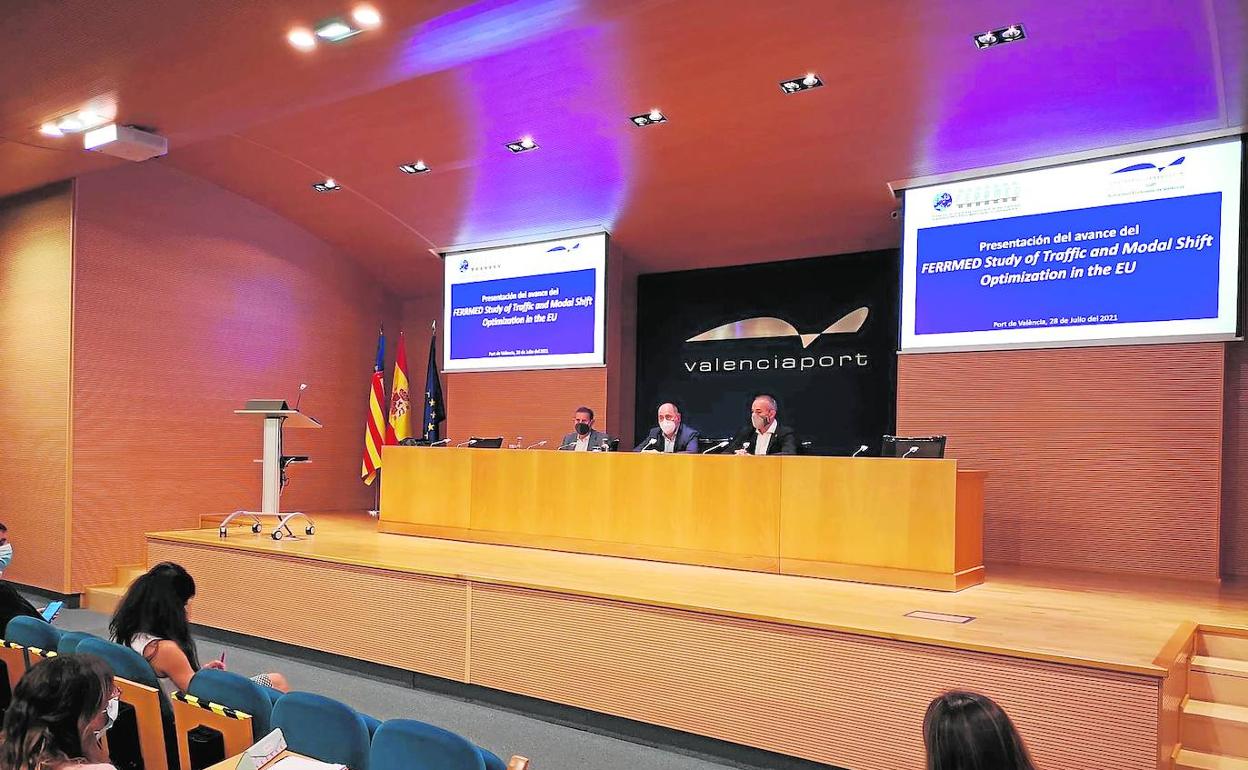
<point x="39" y="637"/>
<point x="324" y="729"/>
<point x="232" y="691"/>
<point x="237" y="728"/>
<point x="69" y="641"/>
<point x="14" y="657"/>
<point x="407" y="743"/>
<point x="139" y="688"/>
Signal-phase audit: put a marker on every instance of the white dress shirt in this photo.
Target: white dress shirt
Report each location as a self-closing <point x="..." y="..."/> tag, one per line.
<point x="582" y="444"/>
<point x="669" y="443"/>
<point x="763" y="439"/>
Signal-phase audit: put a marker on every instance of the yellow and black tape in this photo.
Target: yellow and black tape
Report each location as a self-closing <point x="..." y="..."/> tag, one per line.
<point x="215" y="708"/>
<point x="42" y="653"/>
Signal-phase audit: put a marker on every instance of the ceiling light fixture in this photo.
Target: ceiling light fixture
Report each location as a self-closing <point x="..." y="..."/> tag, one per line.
<point x="418" y="167"/>
<point x="329" y="185"/>
<point x="522" y="145"/>
<point x="648" y="118"/>
<point x="335" y="30"/>
<point x="301" y="38"/>
<point x="366" y="16"/>
<point x="805" y="83"/>
<point x="51" y="129"/>
<point x="994" y="37"/>
<point x="74" y="123"/>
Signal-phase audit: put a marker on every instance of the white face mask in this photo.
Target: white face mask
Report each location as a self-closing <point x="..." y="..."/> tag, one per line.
<point x="667" y="426"/>
<point x="760" y="422"/>
<point x="6" y="555"/>
<point x="111" y="709"/>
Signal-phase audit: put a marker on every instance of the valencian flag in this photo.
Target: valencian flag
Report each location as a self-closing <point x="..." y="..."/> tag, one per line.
<point x="435" y="408"/>
<point x="399" y="426"/>
<point x="373" y="433"/>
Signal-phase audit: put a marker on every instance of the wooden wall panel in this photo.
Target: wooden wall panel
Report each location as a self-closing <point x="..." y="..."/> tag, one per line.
<point x="1102" y="458"/>
<point x="423" y="629"/>
<point x="1235" y="463"/>
<point x="36" y="283"/>
<point x="846" y="700"/>
<point x="189" y="301"/>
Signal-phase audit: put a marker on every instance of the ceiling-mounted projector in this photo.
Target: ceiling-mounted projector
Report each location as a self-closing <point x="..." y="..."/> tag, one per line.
<point x="125" y="142"/>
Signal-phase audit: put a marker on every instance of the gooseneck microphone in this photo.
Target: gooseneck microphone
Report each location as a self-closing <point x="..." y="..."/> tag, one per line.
<point x="649" y="444"/>
<point x="565" y="446"/>
<point x="859" y="451"/>
<point x="469" y="442"/>
<point x="720" y="445"/>
<point x="535" y="446"/>
<point x="441" y="442"/>
<point x="909" y="452"/>
<point x="302" y="387"/>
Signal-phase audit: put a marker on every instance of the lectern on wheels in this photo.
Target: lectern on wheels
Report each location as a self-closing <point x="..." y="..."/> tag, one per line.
<point x="273" y="466"/>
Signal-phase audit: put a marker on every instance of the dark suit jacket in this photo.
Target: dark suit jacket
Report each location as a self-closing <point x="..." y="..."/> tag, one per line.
<point x="686" y="440"/>
<point x="783" y="442"/>
<point x="595" y="440"/>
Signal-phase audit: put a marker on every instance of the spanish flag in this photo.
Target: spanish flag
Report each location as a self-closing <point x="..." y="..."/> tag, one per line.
<point x="373" y="435"/>
<point x="400" y="425"/>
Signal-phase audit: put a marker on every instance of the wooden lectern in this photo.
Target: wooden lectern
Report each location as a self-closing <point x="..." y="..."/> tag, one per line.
<point x="277" y="415"/>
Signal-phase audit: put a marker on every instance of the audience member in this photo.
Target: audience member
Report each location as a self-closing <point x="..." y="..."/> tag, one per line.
<point x="60" y="711"/>
<point x="152" y="619"/>
<point x="6" y="549"/>
<point x="967" y="731"/>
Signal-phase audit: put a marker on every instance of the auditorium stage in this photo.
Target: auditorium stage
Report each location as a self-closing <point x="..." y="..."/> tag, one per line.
<point x="831" y="671"/>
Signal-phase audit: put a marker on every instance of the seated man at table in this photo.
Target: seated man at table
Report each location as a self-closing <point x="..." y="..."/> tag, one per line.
<point x="671" y="435"/>
<point x="584" y="438"/>
<point x="764" y="435"/>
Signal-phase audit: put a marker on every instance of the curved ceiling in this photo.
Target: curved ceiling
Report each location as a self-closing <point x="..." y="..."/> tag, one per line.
<point x="740" y="173"/>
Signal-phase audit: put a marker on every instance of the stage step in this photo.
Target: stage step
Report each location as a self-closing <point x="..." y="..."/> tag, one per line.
<point x="1218" y="688"/>
<point x="105" y="598"/>
<point x="1225" y="666"/>
<point x="1215" y="728"/>
<point x="1216" y="644"/>
<point x="1196" y="760"/>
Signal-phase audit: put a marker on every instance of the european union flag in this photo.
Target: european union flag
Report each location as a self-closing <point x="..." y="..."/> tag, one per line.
<point x="434" y="413"/>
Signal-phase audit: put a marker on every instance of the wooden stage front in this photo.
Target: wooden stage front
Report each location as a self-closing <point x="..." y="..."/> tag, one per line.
<point x="829" y="671"/>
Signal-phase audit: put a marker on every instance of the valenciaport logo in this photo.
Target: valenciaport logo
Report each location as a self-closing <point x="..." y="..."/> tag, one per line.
<point x="943" y="201"/>
<point x="772" y="328"/>
<point x="1151" y="166"/>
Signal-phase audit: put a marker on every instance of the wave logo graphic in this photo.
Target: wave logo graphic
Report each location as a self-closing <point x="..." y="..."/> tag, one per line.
<point x="769" y="327"/>
<point x="1152" y="166"/>
<point x="561" y="247"/>
<point x="943" y="201"/>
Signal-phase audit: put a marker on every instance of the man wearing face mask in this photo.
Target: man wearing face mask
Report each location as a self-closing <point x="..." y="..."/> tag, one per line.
<point x="764" y="435"/>
<point x="6" y="549"/>
<point x="584" y="438"/>
<point x="671" y="435"/>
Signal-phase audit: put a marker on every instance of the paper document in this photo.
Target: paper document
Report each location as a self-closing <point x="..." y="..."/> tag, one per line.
<point x="304" y="763"/>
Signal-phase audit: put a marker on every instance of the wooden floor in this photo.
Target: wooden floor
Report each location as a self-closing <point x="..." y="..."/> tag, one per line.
<point x="1118" y="623"/>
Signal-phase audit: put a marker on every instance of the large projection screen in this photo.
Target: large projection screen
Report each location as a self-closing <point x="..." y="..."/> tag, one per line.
<point x="1133" y="248"/>
<point x="530" y="306"/>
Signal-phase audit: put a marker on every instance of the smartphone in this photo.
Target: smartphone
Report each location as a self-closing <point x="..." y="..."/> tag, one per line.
<point x="52" y="610"/>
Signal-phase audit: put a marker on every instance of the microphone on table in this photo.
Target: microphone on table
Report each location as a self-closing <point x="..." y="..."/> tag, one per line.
<point x="859" y="450"/>
<point x="909" y="452"/>
<point x="720" y="445"/>
<point x="535" y="446"/>
<point x="302" y="387"/>
<point x="469" y="442"/>
<point x="440" y="442"/>
<point x="565" y="446"/>
<point x="649" y="444"/>
<point x="605" y="447"/>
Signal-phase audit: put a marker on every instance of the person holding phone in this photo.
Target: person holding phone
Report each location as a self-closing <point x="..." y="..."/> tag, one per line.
<point x="152" y="619"/>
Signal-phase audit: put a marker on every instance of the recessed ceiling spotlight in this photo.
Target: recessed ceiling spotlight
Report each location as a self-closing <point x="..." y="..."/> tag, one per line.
<point x="366" y="16"/>
<point x="329" y="185"/>
<point x="1009" y="34"/>
<point x="522" y="145"/>
<point x="73" y="123"/>
<point x="336" y="30"/>
<point x="51" y="129"/>
<point x="418" y="167"/>
<point x="648" y="118"/>
<point x="301" y="38"/>
<point x="805" y="83"/>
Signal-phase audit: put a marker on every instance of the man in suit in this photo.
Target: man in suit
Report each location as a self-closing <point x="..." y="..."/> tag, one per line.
<point x="671" y="435"/>
<point x="764" y="435"/>
<point x="584" y="438"/>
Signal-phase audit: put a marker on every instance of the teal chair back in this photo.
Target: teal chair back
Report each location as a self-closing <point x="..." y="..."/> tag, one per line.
<point x="405" y="744"/>
<point x="33" y="632"/>
<point x="323" y="728"/>
<point x="237" y="692"/>
<point x="125" y="662"/>
<point x="69" y="641"/>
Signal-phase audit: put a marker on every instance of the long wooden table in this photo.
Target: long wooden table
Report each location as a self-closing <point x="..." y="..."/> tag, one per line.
<point x="911" y="522"/>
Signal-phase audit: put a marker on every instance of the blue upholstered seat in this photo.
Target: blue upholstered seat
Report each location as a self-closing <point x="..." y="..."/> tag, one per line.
<point x="70" y="640"/>
<point x="33" y="632"/>
<point x="125" y="662"/>
<point x="405" y="744"/>
<point x="237" y="692"/>
<point x="324" y="729"/>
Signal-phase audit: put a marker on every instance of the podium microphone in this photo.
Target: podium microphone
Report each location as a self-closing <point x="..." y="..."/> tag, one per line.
<point x="565" y="446"/>
<point x="302" y="387"/>
<point x="909" y="452"/>
<point x="720" y="445"/>
<point x="605" y="447"/>
<point x="441" y="442"/>
<point x="469" y="442"/>
<point x="859" y="451"/>
<point x="649" y="444"/>
<point x="535" y="446"/>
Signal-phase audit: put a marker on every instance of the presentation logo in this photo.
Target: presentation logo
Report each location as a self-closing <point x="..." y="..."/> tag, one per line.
<point x="463" y="266"/>
<point x="561" y="247"/>
<point x="769" y="327"/>
<point x="943" y="201"/>
<point x="1152" y="166"/>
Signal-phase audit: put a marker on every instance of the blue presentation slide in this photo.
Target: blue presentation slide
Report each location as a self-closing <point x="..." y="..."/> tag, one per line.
<point x="1155" y="260"/>
<point x="533" y="315"/>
